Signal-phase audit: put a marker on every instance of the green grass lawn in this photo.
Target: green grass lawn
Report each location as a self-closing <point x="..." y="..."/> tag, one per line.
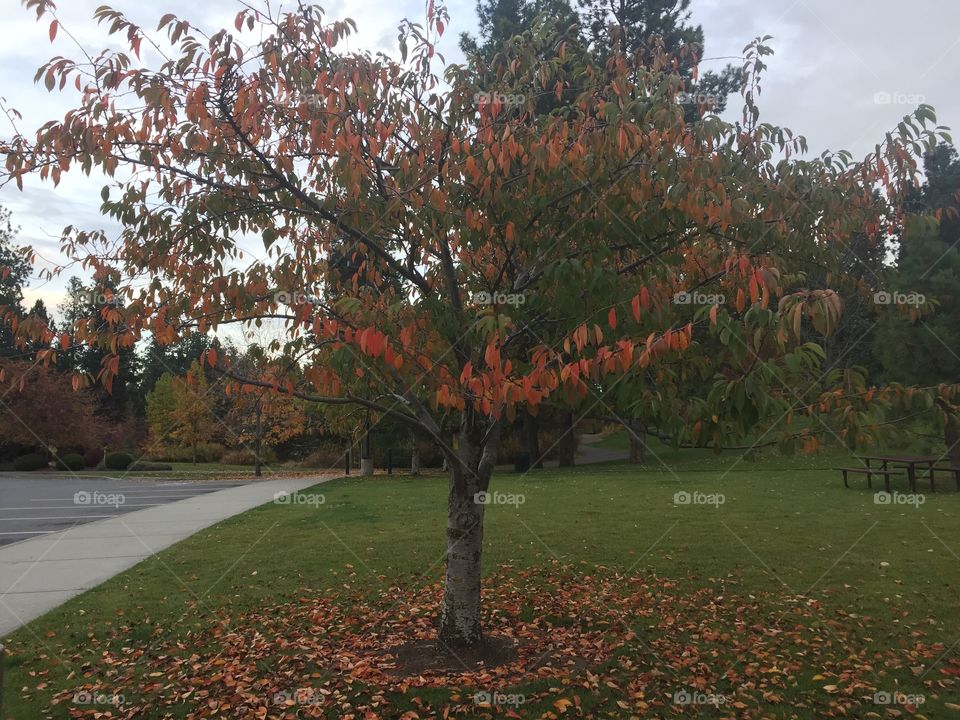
<point x="817" y="580"/>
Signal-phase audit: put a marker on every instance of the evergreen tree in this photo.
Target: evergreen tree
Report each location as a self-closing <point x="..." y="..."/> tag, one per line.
<point x="639" y="27"/>
<point x="919" y="342"/>
<point x="924" y="347"/>
<point x="83" y="306"/>
<point x="14" y="270"/>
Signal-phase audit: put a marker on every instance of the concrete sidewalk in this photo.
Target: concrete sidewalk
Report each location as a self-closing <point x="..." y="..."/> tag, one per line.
<point x="39" y="574"/>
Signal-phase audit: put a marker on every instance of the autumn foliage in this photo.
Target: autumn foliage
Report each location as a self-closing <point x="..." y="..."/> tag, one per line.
<point x="436" y="252"/>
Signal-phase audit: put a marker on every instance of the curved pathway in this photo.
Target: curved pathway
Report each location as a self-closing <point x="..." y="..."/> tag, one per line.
<point x="38" y="574"/>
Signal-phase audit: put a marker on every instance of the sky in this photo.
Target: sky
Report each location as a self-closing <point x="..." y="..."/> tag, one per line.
<point x="844" y="72"/>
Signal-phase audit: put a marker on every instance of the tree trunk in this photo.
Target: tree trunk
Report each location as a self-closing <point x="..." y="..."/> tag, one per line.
<point x="531" y="435"/>
<point x="460" y="616"/>
<point x="256" y="460"/>
<point x="638" y="442"/>
<point x="414" y="454"/>
<point x="194" y="446"/>
<point x="951" y="436"/>
<point x="567" y="444"/>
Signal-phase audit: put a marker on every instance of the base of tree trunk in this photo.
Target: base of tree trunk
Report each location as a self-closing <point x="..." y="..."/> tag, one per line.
<point x="638" y="442"/>
<point x="531" y="437"/>
<point x="420" y="656"/>
<point x="952" y="439"/>
<point x="460" y="616"/>
<point x="567" y="443"/>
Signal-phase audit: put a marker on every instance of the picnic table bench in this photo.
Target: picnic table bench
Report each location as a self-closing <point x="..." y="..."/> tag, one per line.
<point x="869" y="472"/>
<point x="896" y="465"/>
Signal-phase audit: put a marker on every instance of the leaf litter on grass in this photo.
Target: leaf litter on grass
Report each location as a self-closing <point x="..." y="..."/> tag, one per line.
<point x="599" y="645"/>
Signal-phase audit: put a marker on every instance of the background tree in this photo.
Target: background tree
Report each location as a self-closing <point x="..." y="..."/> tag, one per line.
<point x="176" y="358"/>
<point x="45" y="413"/>
<point x="501" y="20"/>
<point x="300" y="143"/>
<point x="919" y="344"/>
<point x="193" y="417"/>
<point x="161" y="406"/>
<point x="259" y="416"/>
<point x="14" y="271"/>
<point x="181" y="409"/>
<point x="641" y="27"/>
<point x="83" y="312"/>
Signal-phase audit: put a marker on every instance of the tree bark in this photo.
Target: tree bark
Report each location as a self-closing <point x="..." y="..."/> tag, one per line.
<point x="469" y="479"/>
<point x="531" y="435"/>
<point x="567" y="444"/>
<point x="257" y="472"/>
<point x="951" y="436"/>
<point x="638" y="442"/>
<point x="414" y="454"/>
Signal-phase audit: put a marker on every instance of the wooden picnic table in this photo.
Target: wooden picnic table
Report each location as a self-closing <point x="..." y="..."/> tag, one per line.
<point x="910" y="462"/>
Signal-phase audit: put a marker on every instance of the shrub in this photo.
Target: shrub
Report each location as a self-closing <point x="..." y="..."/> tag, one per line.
<point x="144" y="466"/>
<point x="33" y="461"/>
<point x="92" y="457"/>
<point x="206" y="452"/>
<point x="327" y="455"/>
<point x="70" y="461"/>
<point x="118" y="461"/>
<point x="244" y="456"/>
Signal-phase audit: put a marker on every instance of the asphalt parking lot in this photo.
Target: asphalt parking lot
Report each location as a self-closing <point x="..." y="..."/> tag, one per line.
<point x="36" y="504"/>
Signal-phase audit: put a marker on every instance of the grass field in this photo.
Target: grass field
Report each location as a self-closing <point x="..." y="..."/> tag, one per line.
<point x="773" y="592"/>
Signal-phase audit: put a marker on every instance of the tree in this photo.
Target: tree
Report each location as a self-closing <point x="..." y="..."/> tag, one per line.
<point x="181" y="408"/>
<point x="258" y="415"/>
<point x="641" y="27"/>
<point x="84" y="311"/>
<point x="193" y="416"/>
<point x="14" y="270"/>
<point x="595" y="220"/>
<point x="161" y="407"/>
<point x="918" y="341"/>
<point x="44" y="412"/>
<point x="501" y="20"/>
<point x="175" y="359"/>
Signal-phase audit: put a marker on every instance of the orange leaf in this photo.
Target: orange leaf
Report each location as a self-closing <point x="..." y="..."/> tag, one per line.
<point x="612" y="319"/>
<point x="562" y="704"/>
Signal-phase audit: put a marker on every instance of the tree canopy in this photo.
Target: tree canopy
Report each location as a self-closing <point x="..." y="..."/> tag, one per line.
<point x="500" y="257"/>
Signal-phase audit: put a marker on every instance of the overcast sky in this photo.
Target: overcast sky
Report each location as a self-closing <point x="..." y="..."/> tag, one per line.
<point x="844" y="72"/>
